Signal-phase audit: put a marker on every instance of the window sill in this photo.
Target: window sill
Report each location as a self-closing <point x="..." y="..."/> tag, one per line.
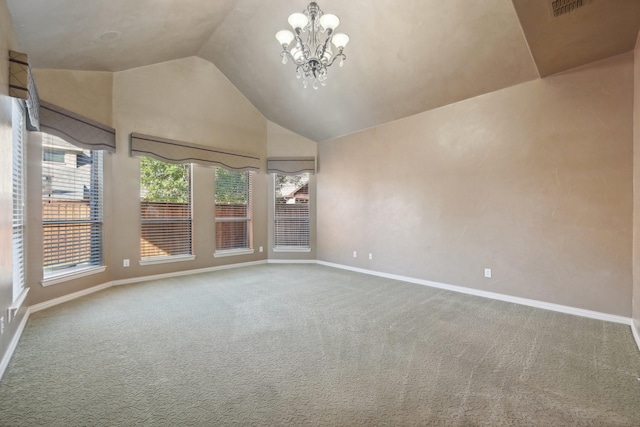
<point x="291" y="249"/>
<point x="232" y="252"/>
<point x="54" y="279"/>
<point x="166" y="259"/>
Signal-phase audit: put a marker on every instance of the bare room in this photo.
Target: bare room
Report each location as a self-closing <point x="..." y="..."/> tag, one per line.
<point x="243" y="212"/>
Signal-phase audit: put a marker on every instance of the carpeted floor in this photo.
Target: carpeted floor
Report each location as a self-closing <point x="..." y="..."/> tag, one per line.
<point x="312" y="345"/>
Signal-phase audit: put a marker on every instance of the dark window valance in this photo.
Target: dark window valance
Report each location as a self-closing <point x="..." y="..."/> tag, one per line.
<point x="76" y="129"/>
<point x="22" y="85"/>
<point x="291" y="165"/>
<point x="168" y="150"/>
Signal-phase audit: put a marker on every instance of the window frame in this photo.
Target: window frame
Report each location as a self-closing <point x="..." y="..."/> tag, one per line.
<point x="95" y="264"/>
<point x="162" y="259"/>
<point x="54" y="156"/>
<point x="218" y="253"/>
<point x="291" y="248"/>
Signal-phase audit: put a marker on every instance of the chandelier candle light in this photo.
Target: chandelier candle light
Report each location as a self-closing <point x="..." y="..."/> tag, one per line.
<point x="313" y="57"/>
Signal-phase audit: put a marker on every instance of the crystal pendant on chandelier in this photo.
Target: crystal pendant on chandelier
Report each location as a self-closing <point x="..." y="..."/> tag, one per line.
<point x="312" y="55"/>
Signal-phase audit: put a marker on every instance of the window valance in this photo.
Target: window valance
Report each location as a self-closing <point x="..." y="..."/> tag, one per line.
<point x="22" y="86"/>
<point x="76" y="129"/>
<point x="168" y="150"/>
<point x="291" y="165"/>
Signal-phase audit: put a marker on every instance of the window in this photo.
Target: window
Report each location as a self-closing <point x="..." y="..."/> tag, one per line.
<point x="18" y="179"/>
<point x="56" y="156"/>
<point x="71" y="207"/>
<point x="291" y="212"/>
<point x="165" y="210"/>
<point x="233" y="212"/>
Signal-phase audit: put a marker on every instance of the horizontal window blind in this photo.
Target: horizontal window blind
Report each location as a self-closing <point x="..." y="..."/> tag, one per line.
<point x="291" y="211"/>
<point x="71" y="206"/>
<point x="233" y="210"/>
<point x="165" y="209"/>
<point x="18" y="178"/>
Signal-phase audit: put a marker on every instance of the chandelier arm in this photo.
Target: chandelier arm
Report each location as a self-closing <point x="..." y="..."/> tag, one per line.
<point x="323" y="48"/>
<point x="338" y="55"/>
<point x="305" y="48"/>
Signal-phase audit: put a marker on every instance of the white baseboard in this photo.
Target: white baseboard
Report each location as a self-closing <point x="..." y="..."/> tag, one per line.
<point x="293" y="261"/>
<point x="185" y="273"/>
<point x="70" y="297"/>
<point x="4" y="363"/>
<point x="470" y="291"/>
<point x="636" y="333"/>
<point x="88" y="291"/>
<point x="492" y="295"/>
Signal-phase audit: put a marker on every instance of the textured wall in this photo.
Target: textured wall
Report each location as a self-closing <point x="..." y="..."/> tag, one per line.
<point x="87" y="93"/>
<point x="636" y="188"/>
<point x="533" y="181"/>
<point x="282" y="142"/>
<point x="187" y="99"/>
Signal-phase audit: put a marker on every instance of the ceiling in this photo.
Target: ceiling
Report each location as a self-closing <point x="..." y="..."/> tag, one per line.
<point x="404" y="57"/>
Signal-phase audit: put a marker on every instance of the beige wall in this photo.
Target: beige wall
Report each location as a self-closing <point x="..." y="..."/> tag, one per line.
<point x="187" y="99"/>
<point x="282" y="142"/>
<point x="87" y="93"/>
<point x="636" y="189"/>
<point x="7" y="41"/>
<point x="533" y="181"/>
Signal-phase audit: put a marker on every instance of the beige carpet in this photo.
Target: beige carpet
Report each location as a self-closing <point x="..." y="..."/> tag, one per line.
<point x="311" y="345"/>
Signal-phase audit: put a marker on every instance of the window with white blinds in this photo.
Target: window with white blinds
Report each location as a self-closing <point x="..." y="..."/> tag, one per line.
<point x="165" y="209"/>
<point x="291" y="212"/>
<point x="18" y="178"/>
<point x="71" y="206"/>
<point x="233" y="210"/>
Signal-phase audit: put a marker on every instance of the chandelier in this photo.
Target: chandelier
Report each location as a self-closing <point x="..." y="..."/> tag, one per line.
<point x="313" y="56"/>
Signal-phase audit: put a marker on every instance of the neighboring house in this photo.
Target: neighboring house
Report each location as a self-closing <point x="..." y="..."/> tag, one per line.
<point x="299" y="195"/>
<point x="294" y="191"/>
<point x="61" y="161"/>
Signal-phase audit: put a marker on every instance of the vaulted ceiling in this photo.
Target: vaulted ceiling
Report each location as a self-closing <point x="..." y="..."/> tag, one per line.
<point x="404" y="57"/>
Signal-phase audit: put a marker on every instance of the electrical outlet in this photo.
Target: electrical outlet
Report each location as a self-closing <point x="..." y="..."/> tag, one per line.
<point x="370" y="255"/>
<point x="1" y="325"/>
<point x="487" y="273"/>
<point x="355" y="254"/>
<point x="261" y="249"/>
<point x="125" y="263"/>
